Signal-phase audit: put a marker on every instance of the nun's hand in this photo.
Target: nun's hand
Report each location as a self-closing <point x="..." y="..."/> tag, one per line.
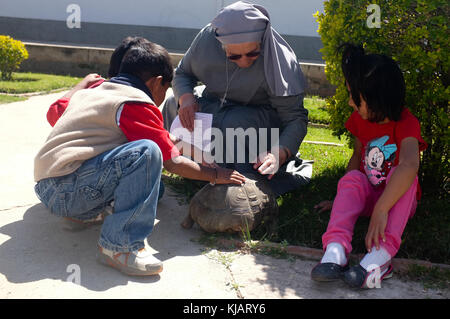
<point x="268" y="163"/>
<point x="188" y="107"/>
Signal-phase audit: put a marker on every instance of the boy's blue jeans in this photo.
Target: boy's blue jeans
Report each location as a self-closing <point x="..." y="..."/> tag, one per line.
<point x="130" y="175"/>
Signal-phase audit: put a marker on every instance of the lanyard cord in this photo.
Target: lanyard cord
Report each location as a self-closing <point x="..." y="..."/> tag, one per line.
<point x="228" y="81"/>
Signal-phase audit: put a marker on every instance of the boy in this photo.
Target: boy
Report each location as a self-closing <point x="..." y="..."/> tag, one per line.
<point x="110" y="145"/>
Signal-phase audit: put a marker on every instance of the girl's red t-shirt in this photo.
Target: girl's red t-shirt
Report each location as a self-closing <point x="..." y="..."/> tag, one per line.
<point x="382" y="142"/>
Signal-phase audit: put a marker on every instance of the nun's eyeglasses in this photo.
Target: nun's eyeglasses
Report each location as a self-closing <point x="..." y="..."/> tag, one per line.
<point x="236" y="57"/>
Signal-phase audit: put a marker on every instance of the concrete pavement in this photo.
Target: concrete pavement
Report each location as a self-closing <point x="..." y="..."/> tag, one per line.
<point x="39" y="259"/>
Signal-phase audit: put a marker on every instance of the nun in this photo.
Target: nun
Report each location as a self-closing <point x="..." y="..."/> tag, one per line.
<point x="250" y="80"/>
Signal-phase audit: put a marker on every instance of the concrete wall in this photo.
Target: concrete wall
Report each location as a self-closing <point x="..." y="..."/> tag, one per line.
<point x="79" y="61"/>
<point x="290" y="17"/>
<point x="171" y="23"/>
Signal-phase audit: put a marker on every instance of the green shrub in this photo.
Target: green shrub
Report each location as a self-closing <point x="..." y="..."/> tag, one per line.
<point x="414" y="33"/>
<point x="12" y="53"/>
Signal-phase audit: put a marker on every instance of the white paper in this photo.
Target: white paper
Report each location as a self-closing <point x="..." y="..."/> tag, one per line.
<point x="200" y="137"/>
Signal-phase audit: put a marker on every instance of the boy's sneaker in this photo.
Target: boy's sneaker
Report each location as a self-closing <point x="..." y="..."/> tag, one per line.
<point x="74" y="225"/>
<point x="358" y="277"/>
<point x="328" y="272"/>
<point x="136" y="263"/>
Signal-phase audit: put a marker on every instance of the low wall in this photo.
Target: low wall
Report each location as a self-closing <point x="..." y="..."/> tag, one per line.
<point x="317" y="80"/>
<point x="79" y="61"/>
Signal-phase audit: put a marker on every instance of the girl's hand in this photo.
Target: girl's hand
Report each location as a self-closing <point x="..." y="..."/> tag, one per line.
<point x="377" y="225"/>
<point x="324" y="206"/>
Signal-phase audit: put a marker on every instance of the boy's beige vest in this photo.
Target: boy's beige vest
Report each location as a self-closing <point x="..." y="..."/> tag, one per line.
<point x="87" y="128"/>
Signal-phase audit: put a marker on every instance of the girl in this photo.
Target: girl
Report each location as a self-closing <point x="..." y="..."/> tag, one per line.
<point x="381" y="179"/>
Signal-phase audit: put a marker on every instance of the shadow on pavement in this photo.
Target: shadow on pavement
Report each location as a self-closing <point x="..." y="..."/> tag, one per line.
<point x="39" y="248"/>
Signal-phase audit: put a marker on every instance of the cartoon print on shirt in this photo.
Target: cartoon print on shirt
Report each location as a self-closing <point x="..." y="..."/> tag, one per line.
<point x="379" y="159"/>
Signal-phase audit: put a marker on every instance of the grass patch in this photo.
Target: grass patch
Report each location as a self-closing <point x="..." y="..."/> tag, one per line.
<point x="431" y="278"/>
<point x="427" y="234"/>
<point x="324" y="135"/>
<point x="36" y="82"/>
<point x="317" y="112"/>
<point x="10" y="99"/>
<point x="326" y="158"/>
<point x="298" y="222"/>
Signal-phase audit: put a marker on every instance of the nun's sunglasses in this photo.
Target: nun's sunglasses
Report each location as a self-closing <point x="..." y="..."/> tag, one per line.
<point x="236" y="57"/>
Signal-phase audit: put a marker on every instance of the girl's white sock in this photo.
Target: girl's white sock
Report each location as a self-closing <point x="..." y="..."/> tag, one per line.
<point x="376" y="258"/>
<point x="335" y="253"/>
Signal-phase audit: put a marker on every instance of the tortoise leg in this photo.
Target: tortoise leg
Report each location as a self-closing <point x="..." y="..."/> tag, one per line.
<point x="188" y="222"/>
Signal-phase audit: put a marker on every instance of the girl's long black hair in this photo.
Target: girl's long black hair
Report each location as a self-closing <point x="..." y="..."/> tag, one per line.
<point x="377" y="79"/>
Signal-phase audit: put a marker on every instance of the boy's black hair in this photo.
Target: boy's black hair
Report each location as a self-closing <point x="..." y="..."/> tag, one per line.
<point x="146" y="61"/>
<point x="377" y="78"/>
<point x="119" y="52"/>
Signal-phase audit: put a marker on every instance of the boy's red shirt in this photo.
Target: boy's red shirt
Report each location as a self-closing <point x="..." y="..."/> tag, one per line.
<point x="137" y="121"/>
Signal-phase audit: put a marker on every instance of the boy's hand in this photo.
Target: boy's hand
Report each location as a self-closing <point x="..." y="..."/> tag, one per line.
<point x="229" y="176"/>
<point x="323" y="206"/>
<point x="377" y="225"/>
<point x="210" y="165"/>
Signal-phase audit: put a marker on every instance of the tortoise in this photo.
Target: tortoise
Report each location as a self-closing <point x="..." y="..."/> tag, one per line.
<point x="233" y="208"/>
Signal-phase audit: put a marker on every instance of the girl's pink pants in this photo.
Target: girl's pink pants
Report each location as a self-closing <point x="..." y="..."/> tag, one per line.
<point x="357" y="197"/>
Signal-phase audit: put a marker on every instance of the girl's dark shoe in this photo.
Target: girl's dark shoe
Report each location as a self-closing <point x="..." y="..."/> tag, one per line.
<point x="328" y="272"/>
<point x="358" y="277"/>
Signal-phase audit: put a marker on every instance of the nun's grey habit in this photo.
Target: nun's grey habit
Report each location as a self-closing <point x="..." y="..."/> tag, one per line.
<point x="267" y="94"/>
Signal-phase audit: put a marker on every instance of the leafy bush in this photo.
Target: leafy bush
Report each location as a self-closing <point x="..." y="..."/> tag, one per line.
<point x="12" y="53"/>
<point x="414" y="33"/>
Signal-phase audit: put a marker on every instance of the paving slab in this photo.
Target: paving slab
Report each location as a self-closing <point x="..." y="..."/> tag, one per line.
<point x="39" y="259"/>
